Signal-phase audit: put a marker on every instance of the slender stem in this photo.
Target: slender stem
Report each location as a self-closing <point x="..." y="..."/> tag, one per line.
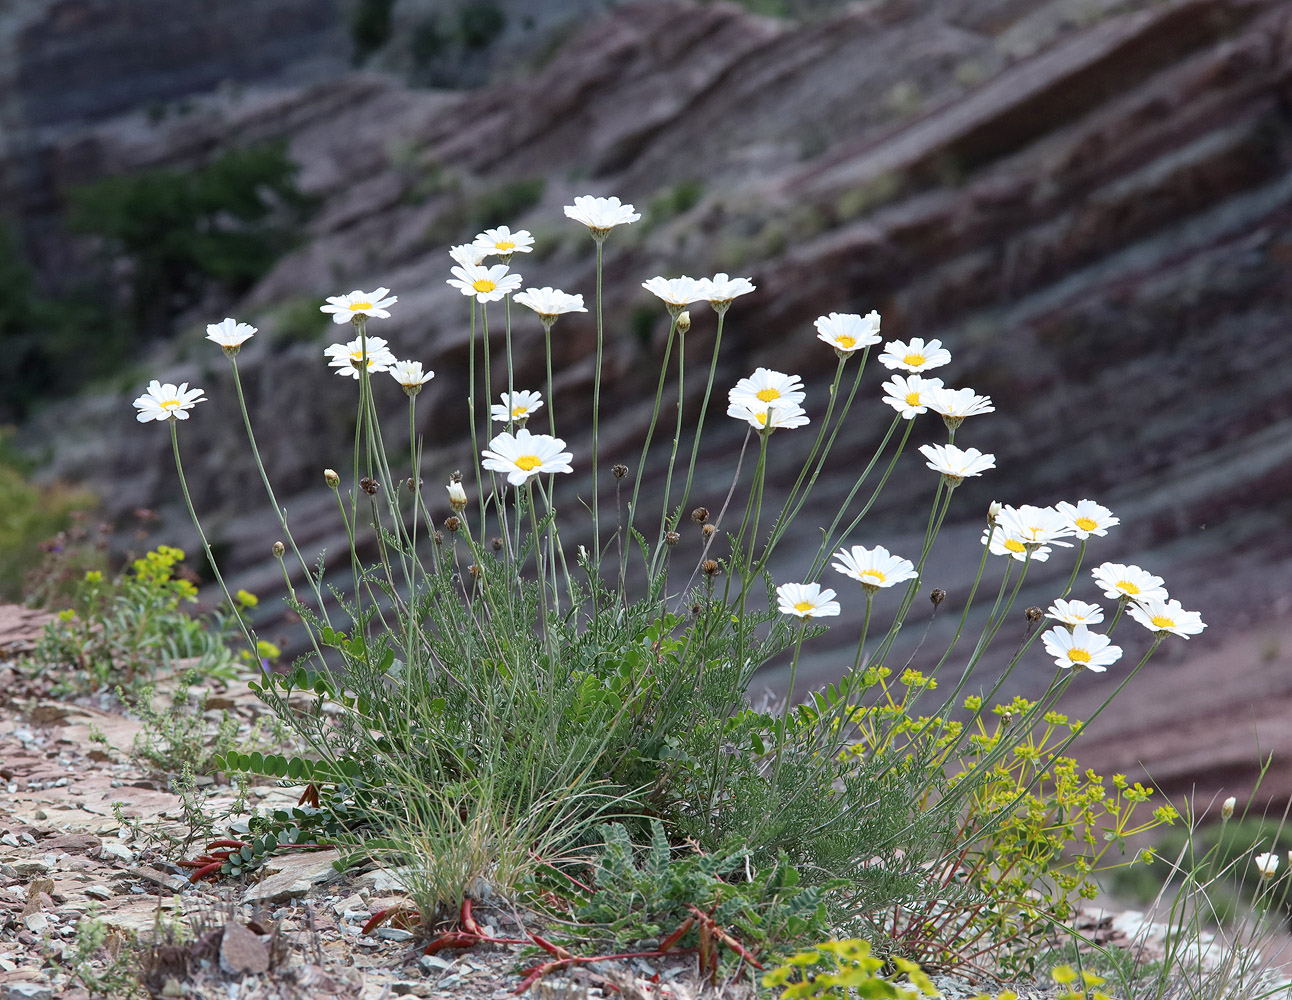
<point x="596" y="418"/>
<point x="704" y="408"/>
<point x="639" y="473"/>
<point x="789" y="702"/>
<point x="865" y="628"/>
<point x="672" y="458"/>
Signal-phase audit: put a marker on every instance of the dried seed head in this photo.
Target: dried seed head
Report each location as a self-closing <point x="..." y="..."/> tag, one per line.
<point x="439" y="538"/>
<point x="496" y="543"/>
<point x="412" y="483"/>
<point x="710" y="567"/>
<point x="684" y="321"/>
<point x="700" y="515"/>
<point x="331" y="478"/>
<point x="620" y="471"/>
<point x="452" y="524"/>
<point x="1034" y="615"/>
<point x="696" y="609"/>
<point x="278" y="550"/>
<point x="937" y="596"/>
<point x="672" y="538"/>
<point x="456" y="477"/>
<point x="476" y="571"/>
<point x="707" y="531"/>
<point x="369" y="485"/>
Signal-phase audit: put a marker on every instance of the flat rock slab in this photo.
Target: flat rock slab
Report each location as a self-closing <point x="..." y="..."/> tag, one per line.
<point x="294" y="875"/>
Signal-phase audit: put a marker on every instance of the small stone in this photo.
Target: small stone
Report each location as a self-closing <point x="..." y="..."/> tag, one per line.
<point x="242" y="951"/>
<point x="99" y="892"/>
<point x="172" y="988"/>
<point x="394" y="934"/>
<point x="28" y="991"/>
<point x="117" y="850"/>
<point x="37" y="923"/>
<point x="347" y="905"/>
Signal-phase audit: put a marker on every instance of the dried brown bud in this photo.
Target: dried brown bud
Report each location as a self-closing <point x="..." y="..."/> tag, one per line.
<point x="412" y="483"/>
<point x="456" y="477"/>
<point x="938" y="596"/>
<point x="496" y="543"/>
<point x="451" y="523"/>
<point x="1034" y="615"/>
<point x="672" y="538"/>
<point x="707" y="531"/>
<point x="278" y="550"/>
<point x="710" y="567"/>
<point x="369" y="485"/>
<point x="620" y="471"/>
<point x="476" y="571"/>
<point x="696" y="609"/>
<point x="700" y="515"/>
<point x="439" y="538"/>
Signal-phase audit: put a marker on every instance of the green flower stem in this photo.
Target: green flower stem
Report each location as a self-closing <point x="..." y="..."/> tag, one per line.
<point x="640" y="472"/>
<point x="1122" y="604"/>
<point x="865" y="629"/>
<point x="206" y="546"/>
<point x="672" y="458"/>
<point x="731" y="490"/>
<point x="789" y="703"/>
<point x="596" y="419"/>
<point x="1081" y="555"/>
<point x="471" y="406"/>
<point x="560" y="551"/>
<point x="542" y="587"/>
<point x="704" y="409"/>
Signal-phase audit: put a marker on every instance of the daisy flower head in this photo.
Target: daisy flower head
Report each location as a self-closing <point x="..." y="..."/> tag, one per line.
<point x="806" y="600"/>
<point x="524" y="455"/>
<point x="549" y="303"/>
<point x="1000" y="544"/>
<point x="955" y="464"/>
<point x="765" y="419"/>
<point x="1128" y="582"/>
<point x="1081" y="649"/>
<point x="487" y="284"/>
<point x="956" y="404"/>
<point x="1087" y="517"/>
<point x="466" y="254"/>
<point x="516" y="407"/>
<point x="1163" y="616"/>
<point x="766" y="388"/>
<point x="873" y="568"/>
<point x="1075" y="612"/>
<point x="409" y="374"/>
<point x="848" y="332"/>
<point x="720" y="290"/>
<point x="917" y="356"/>
<point x="230" y="335"/>
<point x="909" y="394"/>
<point x="601" y="215"/>
<point x="167" y="401"/>
<point x="348" y="307"/>
<point x="502" y="242"/>
<point x="1034" y="526"/>
<point x="347" y="359"/>
<point x="1267" y="865"/>
<point x="676" y="293"/>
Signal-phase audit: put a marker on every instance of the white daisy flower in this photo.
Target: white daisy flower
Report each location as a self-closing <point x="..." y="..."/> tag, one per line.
<point x="917" y="356"/>
<point x="848" y="332"/>
<point x="549" y="302"/>
<point x="1267" y="865"/>
<point x="524" y="455"/>
<point x="457" y="496"/>
<point x="487" y="284"/>
<point x="873" y="568"/>
<point x="167" y="401"/>
<point x="346" y="307"/>
<point x="516" y="406"/>
<point x="347" y="358"/>
<point x="1001" y="544"/>
<point x="601" y="215"/>
<point x="502" y="242"/>
<point x="806" y="600"/>
<point x="467" y="254"/>
<point x="1087" y="517"/>
<point x="1122" y="581"/>
<point x="409" y="374"/>
<point x="955" y="464"/>
<point x="762" y="417"/>
<point x="1081" y="649"/>
<point x="720" y="290"/>
<point x="766" y="388"/>
<point x="956" y="404"/>
<point x="1034" y="526"/>
<point x="676" y="293"/>
<point x="1075" y="612"/>
<point x="908" y="394"/>
<point x="229" y="334"/>
<point x="1158" y="615"/>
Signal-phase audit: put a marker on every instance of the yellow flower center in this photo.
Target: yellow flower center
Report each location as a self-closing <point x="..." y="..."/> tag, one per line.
<point x="914" y="360"/>
<point x="528" y="462"/>
<point x="1078" y="656"/>
<point x="804" y="606"/>
<point x="357" y="306"/>
<point x="483" y="285"/>
<point x="912" y="399"/>
<point x="875" y="574"/>
<point x="1161" y="621"/>
<point x="520" y="411"/>
<point x="1126" y="587"/>
<point x="768" y="394"/>
<point x="846" y="342"/>
<point x="1085" y="524"/>
<point x="1014" y="545"/>
<point x="169" y="404"/>
<point x="505" y="245"/>
<point x="762" y="418"/>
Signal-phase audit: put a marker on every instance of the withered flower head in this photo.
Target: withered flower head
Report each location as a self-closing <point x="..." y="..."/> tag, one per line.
<point x="369" y="485"/>
<point x="451" y="523"/>
<point x="938" y="596"/>
<point x="619" y="471"/>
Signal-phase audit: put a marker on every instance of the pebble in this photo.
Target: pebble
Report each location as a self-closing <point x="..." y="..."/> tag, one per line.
<point x="394" y="934"/>
<point x="120" y="851"/>
<point x="28" y="991"/>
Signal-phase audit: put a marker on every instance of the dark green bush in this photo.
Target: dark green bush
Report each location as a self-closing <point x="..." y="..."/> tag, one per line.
<point x="370" y="27"/>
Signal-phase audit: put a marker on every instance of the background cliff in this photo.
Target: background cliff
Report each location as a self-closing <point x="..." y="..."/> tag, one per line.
<point x="1089" y="204"/>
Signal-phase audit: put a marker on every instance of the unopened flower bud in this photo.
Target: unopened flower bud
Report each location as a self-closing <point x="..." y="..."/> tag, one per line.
<point x="684" y="321"/>
<point x="331" y="478"/>
<point x="937" y="596"/>
<point x="495" y="543"/>
<point x="1034" y="615"/>
<point x="1227" y="808"/>
<point x="672" y="538"/>
<point x="993" y="511"/>
<point x="700" y="515"/>
<point x="710" y="567"/>
<point x="452" y="524"/>
<point x="1267" y="865"/>
<point x="457" y="495"/>
<point x="620" y="471"/>
<point x="278" y="550"/>
<point x="707" y="531"/>
<point x="369" y="485"/>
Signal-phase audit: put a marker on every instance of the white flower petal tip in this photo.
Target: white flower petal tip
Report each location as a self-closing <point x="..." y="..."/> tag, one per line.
<point x="916" y="356"/>
<point x="348" y="358"/>
<point x="410" y="375"/>
<point x="1087" y="517"/>
<point x="516" y="407"/>
<point x="848" y="332"/>
<point x="1267" y="865"/>
<point x="502" y="242"/>
<point x="909" y="394"/>
<point x="167" y="401"/>
<point x="675" y="293"/>
<point x="1075" y="612"/>
<point x="955" y="405"/>
<point x="955" y="464"/>
<point x="601" y="215"/>
<point x="874" y="568"/>
<point x="1167" y="617"/>
<point x="345" y="308"/>
<point x="766" y="388"/>
<point x="522" y="456"/>
<point x="720" y="290"/>
<point x="1128" y="582"/>
<point x="549" y="302"/>
<point x="1081" y="649"/>
<point x="229" y="334"/>
<point x="487" y="284"/>
<point x="806" y="600"/>
<point x="765" y="419"/>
